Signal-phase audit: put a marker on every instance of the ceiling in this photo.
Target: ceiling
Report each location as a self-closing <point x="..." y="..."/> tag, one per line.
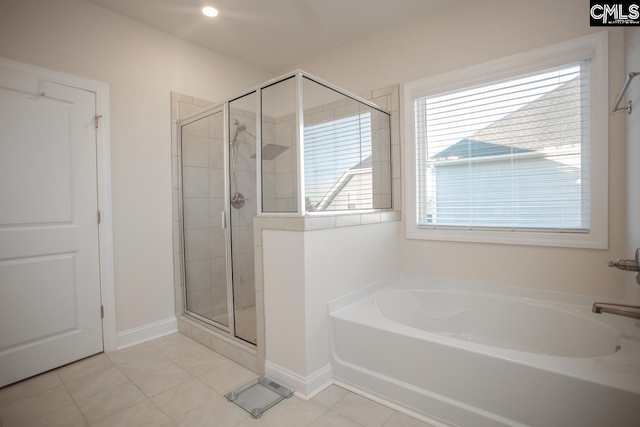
<point x="274" y="35"/>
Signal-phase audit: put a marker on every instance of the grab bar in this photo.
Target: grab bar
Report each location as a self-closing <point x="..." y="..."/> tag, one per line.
<point x="630" y="76"/>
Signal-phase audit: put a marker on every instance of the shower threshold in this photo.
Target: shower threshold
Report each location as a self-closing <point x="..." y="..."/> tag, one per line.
<point x="259" y="395"/>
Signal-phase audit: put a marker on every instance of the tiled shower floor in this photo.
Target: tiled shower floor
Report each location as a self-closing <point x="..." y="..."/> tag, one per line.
<point x="172" y="381"/>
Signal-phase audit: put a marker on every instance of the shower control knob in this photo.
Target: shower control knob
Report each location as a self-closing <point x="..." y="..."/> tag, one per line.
<point x="627" y="264"/>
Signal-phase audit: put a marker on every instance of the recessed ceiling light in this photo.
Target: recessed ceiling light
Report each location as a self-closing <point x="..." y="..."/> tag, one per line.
<point x="210" y="11"/>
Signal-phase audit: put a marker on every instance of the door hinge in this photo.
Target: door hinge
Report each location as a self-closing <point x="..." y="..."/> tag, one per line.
<point x="98" y="117"/>
<point x="99" y="217"/>
<point x="102" y="311"/>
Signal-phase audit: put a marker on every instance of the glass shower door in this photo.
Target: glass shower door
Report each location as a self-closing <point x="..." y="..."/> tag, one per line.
<point x="243" y="198"/>
<point x="204" y="184"/>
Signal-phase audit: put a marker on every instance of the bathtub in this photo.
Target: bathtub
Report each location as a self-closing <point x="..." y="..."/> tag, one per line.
<point x="467" y="354"/>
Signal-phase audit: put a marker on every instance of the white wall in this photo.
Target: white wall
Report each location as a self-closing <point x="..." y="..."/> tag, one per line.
<point x="632" y="43"/>
<point x="470" y="33"/>
<point x="302" y="272"/>
<point x="284" y="298"/>
<point x="339" y="261"/>
<point x="142" y="65"/>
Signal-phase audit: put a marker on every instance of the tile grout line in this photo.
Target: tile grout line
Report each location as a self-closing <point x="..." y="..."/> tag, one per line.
<point x="146" y="397"/>
<point x="75" y="403"/>
<point x="129" y="382"/>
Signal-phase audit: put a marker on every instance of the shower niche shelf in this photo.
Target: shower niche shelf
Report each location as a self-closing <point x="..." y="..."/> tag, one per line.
<point x="259" y="395"/>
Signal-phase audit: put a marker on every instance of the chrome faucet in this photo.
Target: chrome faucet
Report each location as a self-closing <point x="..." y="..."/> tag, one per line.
<point x="625" y="264"/>
<point x="628" y="265"/>
<point x="632" y="311"/>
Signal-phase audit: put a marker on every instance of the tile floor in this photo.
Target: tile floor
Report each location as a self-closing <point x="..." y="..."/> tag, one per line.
<point x="172" y="381"/>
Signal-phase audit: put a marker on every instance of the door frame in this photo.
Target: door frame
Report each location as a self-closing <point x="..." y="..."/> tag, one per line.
<point x="103" y="177"/>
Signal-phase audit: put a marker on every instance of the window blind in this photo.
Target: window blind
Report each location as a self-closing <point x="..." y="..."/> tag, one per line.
<point x="510" y="154"/>
<point x="337" y="164"/>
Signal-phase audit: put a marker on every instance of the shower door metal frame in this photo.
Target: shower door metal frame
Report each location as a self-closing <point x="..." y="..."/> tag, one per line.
<point x="225" y="219"/>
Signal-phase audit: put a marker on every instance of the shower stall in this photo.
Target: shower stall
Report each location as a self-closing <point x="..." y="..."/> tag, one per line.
<point x="294" y="146"/>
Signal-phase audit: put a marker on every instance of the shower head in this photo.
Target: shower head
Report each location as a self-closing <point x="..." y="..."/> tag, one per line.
<point x="240" y="127"/>
<point x="271" y="151"/>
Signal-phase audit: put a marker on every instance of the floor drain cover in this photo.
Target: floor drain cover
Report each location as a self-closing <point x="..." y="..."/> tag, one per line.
<point x="258" y="395"/>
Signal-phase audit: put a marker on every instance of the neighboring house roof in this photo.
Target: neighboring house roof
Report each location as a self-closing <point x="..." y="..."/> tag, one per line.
<point x="523" y="133"/>
<point x="342" y="185"/>
<point x="366" y="163"/>
<point x="467" y="148"/>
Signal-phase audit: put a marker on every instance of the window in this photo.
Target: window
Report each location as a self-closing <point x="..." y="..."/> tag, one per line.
<point x="511" y="154"/>
<point x="513" y="151"/>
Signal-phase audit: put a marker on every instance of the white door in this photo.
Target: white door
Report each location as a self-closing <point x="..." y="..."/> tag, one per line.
<point x="50" y="308"/>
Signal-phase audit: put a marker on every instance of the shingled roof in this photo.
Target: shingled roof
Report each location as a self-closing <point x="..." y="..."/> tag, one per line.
<point x="468" y="148"/>
<point x="518" y="132"/>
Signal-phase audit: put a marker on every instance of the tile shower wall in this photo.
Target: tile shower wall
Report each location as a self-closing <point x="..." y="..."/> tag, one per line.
<point x="388" y="98"/>
<point x="280" y="193"/>
<point x="181" y="106"/>
<point x="203" y="190"/>
<point x="269" y="196"/>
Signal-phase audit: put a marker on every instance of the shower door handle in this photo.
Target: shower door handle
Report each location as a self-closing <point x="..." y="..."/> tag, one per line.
<point x="223" y="216"/>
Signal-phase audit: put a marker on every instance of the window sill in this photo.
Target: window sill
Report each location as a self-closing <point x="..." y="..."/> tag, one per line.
<point x="591" y="240"/>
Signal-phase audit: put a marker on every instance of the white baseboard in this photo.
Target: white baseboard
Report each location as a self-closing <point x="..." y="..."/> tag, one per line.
<point x="392" y="404"/>
<point x="146" y="332"/>
<point x="305" y="387"/>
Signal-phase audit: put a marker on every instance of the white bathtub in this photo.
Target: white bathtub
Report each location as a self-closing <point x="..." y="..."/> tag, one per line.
<point x="457" y="353"/>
